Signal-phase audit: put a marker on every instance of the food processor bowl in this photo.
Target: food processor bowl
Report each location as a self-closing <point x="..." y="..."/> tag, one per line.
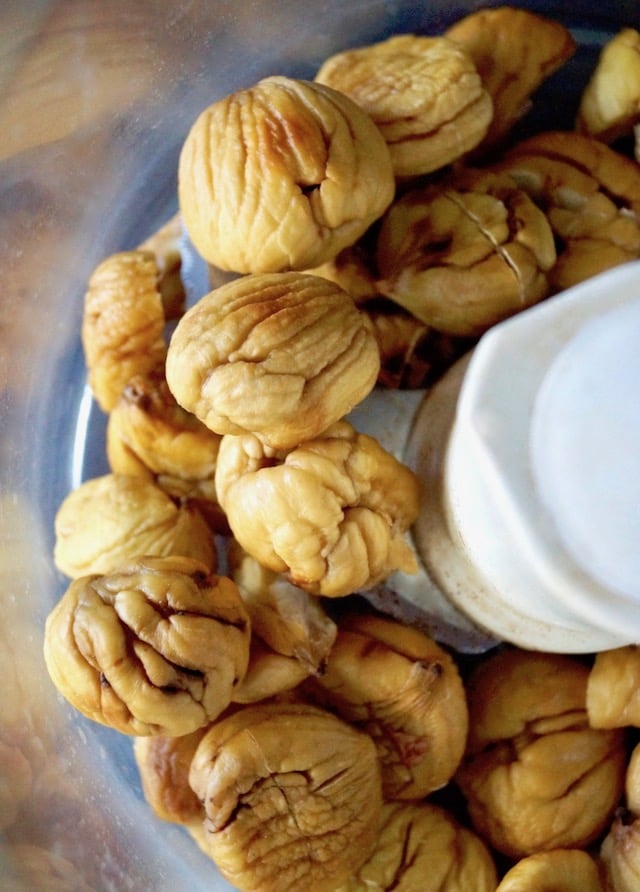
<point x="95" y="102"/>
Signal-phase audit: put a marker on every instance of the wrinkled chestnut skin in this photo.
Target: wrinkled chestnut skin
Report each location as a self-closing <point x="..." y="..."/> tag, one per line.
<point x="423" y="848"/>
<point x="465" y="253"/>
<point x="514" y="51"/>
<point x="149" y="435"/>
<point x="123" y="323"/>
<point x="590" y="195"/>
<point x="405" y="691"/>
<point x="536" y="776"/>
<point x="560" y="870"/>
<point x="282" y="175"/>
<point x="331" y="514"/>
<point x="109" y="520"/>
<point x="413" y="355"/>
<point x="424" y="93"/>
<point x="292" y="797"/>
<point x="155" y="647"/>
<point x="280" y="355"/>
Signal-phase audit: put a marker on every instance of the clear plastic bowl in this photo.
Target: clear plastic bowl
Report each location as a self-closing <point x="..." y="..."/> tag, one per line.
<point x="96" y="101"/>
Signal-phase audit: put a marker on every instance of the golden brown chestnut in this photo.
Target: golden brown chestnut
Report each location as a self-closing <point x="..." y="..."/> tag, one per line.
<point x="331" y="514"/>
<point x="610" y="104"/>
<point x="123" y="323"/>
<point x="536" y="775"/>
<point x="515" y="51"/>
<point x="281" y="175"/>
<point x="560" y="870"/>
<point x="111" y="519"/>
<point x="405" y="691"/>
<point x="423" y="848"/>
<point x="278" y="355"/>
<point x="613" y="688"/>
<point x="424" y="93"/>
<point x="466" y="253"/>
<point x="590" y="194"/>
<point x="292" y="797"/>
<point x="163" y="765"/>
<point x="155" y="647"/>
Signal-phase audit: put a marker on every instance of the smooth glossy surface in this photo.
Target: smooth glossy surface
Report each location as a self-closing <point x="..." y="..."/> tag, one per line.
<point x="510" y="467"/>
<point x="586" y="443"/>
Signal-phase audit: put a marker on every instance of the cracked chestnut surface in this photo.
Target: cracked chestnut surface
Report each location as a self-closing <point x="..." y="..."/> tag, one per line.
<point x="405" y="691"/>
<point x="292" y="797"/>
<point x="465" y="253"/>
<point x="155" y="647"/>
<point x="536" y="776"/>
<point x="281" y="176"/>
<point x="278" y="355"/>
<point x="423" y="848"/>
<point x="590" y="194"/>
